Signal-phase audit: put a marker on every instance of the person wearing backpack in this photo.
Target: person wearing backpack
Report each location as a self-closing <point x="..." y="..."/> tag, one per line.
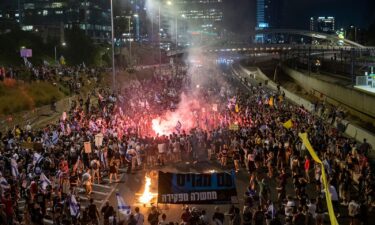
<point x="95" y="169"/>
<point x="353" y="209"/>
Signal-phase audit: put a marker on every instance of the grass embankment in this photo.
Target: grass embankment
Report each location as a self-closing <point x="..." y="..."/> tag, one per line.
<point x="18" y="96"/>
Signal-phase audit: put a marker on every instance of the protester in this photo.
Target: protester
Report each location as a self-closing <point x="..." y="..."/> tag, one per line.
<point x="243" y="128"/>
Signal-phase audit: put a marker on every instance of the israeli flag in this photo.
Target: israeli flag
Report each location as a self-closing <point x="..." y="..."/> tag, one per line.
<point x="14" y="166"/>
<point x="37" y="158"/>
<point x="44" y="181"/>
<point x="58" y="174"/>
<point x="55" y="137"/>
<point x="122" y="207"/>
<point x="4" y="183"/>
<point x="272" y="211"/>
<point x="74" y="207"/>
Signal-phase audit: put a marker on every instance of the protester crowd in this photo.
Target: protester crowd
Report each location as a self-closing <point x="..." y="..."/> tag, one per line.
<point x="244" y="131"/>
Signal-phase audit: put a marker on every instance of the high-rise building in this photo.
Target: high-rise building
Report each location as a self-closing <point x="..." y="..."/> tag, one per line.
<point x="312" y="24"/>
<point x="201" y="18"/>
<point x="268" y="15"/>
<point x="51" y="17"/>
<point x="323" y="24"/>
<point x="10" y="12"/>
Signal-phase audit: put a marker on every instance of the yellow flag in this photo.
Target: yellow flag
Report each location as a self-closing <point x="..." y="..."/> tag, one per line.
<point x="270" y="102"/>
<point x="288" y="124"/>
<point x="313" y="154"/>
<point x="237" y="108"/>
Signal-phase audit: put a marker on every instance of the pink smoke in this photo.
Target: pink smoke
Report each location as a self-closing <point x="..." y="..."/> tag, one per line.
<point x="185" y="113"/>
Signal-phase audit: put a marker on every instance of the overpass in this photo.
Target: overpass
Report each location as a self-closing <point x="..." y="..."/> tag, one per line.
<point x="313" y="34"/>
<point x="264" y="48"/>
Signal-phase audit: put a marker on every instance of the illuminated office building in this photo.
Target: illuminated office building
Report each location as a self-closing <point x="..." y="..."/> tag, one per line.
<point x="268" y="15"/>
<point x="51" y="17"/>
<point x="201" y="17"/>
<point x="323" y="24"/>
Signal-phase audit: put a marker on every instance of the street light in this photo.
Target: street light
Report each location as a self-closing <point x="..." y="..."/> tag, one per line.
<point x="113" y="49"/>
<point x="63" y="44"/>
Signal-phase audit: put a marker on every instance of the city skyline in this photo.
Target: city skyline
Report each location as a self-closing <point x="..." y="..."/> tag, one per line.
<point x="240" y="15"/>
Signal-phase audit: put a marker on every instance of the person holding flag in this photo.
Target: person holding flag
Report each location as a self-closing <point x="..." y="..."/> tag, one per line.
<point x="44" y="181"/>
<point x="14" y="166"/>
<point x="75" y="208"/>
<point x="122" y="207"/>
<point x="178" y="126"/>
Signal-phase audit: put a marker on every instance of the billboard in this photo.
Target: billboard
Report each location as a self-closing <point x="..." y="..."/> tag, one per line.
<point x="26" y="53"/>
<point x="194" y="188"/>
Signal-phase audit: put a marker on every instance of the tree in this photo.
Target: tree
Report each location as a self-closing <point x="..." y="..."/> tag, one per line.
<point x="80" y="48"/>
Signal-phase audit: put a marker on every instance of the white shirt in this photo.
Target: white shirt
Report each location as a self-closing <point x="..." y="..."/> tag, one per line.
<point x="139" y="218"/>
<point x="333" y="192"/>
<point x="312" y="209"/>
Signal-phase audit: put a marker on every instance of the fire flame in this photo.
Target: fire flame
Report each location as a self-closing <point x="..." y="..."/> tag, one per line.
<point x="147" y="196"/>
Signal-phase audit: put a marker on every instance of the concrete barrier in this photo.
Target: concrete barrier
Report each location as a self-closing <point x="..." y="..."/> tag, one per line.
<point x="337" y="94"/>
<point x="260" y="76"/>
<point x="352" y="130"/>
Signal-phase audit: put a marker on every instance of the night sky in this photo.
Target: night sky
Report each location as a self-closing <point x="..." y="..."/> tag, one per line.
<point x="240" y="14"/>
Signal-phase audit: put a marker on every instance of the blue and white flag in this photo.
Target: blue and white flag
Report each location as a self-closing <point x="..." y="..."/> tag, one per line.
<point x="55" y="137"/>
<point x="4" y="183"/>
<point x="44" y="181"/>
<point x="74" y="207"/>
<point x="271" y="211"/>
<point x="59" y="173"/>
<point x="37" y="158"/>
<point x="122" y="207"/>
<point x="14" y="166"/>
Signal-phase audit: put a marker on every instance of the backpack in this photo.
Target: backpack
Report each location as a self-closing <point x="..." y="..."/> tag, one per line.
<point x="94" y="165"/>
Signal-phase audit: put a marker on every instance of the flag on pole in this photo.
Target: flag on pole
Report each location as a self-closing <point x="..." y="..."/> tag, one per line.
<point x="76" y="165"/>
<point x="288" y="124"/>
<point x="14" y="165"/>
<point x="44" y="181"/>
<point x="74" y="207"/>
<point x="178" y="126"/>
<point x="313" y="154"/>
<point x="121" y="206"/>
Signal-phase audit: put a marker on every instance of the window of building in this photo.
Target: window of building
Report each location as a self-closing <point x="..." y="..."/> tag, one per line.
<point x="45" y="12"/>
<point x="29" y="6"/>
<point x="27" y="28"/>
<point x="59" y="12"/>
<point x="57" y="5"/>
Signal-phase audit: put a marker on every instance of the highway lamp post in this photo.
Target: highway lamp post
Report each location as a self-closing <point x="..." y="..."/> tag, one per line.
<point x="159" y="37"/>
<point x="55" y="47"/>
<point x="129" y="39"/>
<point x="113" y="49"/>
